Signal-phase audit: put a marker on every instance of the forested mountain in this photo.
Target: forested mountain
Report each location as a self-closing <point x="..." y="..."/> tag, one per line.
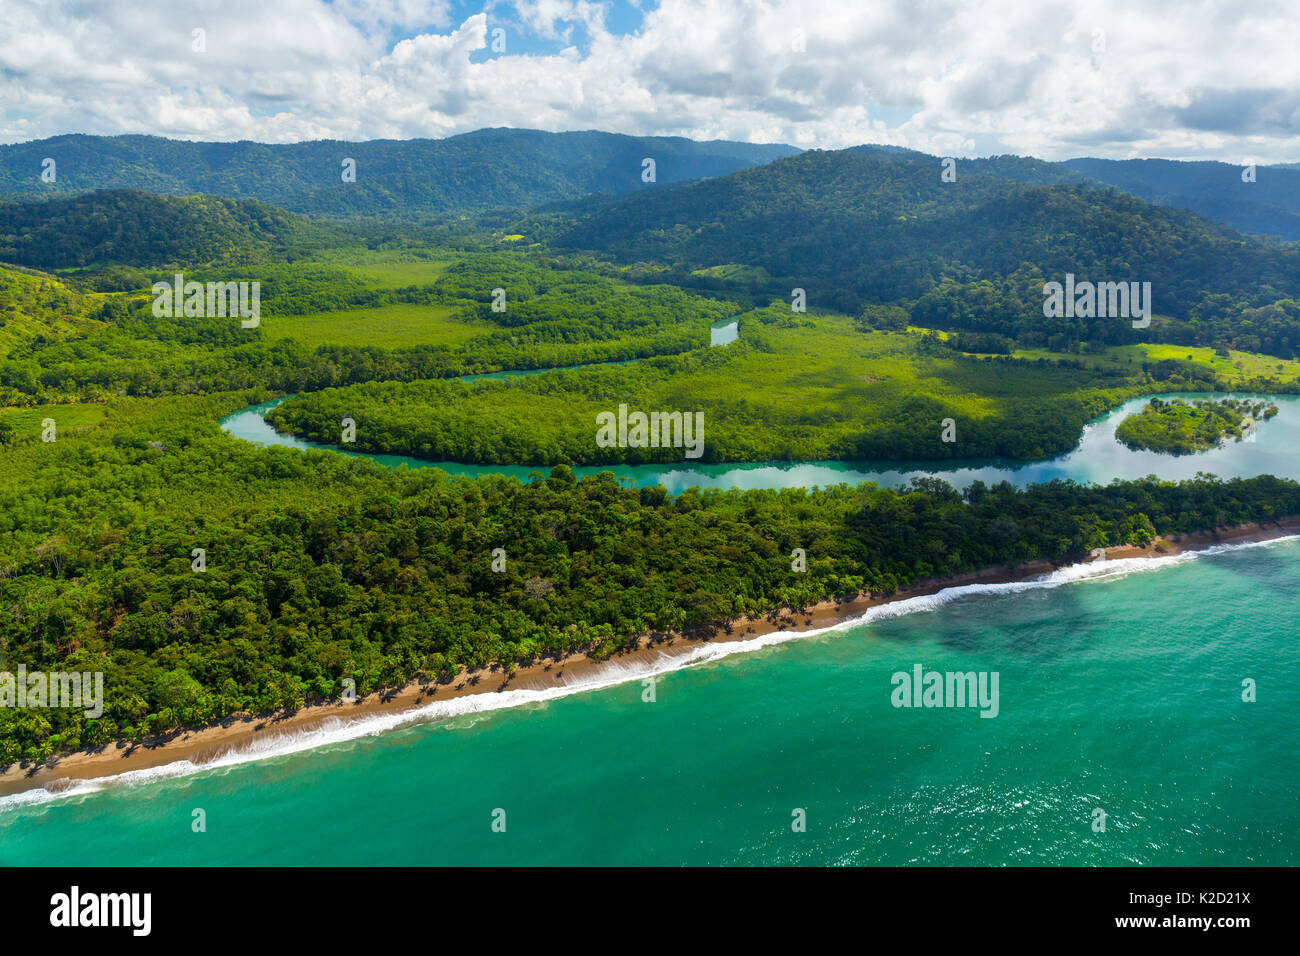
<point x="812" y="216"/>
<point x="1025" y="169"/>
<point x="515" y="168"/>
<point x="1268" y="206"/>
<point x="132" y="227"/>
<point x="486" y="169"/>
<point x="853" y="228"/>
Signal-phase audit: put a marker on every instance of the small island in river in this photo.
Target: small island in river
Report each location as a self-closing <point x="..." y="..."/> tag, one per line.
<point x="1180" y="427"/>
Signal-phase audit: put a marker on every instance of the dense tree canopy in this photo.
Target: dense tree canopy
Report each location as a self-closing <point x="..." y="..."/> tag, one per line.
<point x="320" y="567"/>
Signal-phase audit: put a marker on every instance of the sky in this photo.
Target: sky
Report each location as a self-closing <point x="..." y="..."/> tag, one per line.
<point x="1111" y="78"/>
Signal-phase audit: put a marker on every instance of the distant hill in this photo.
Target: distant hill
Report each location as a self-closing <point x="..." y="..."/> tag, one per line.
<point x="853" y="227"/>
<point x="134" y="227"/>
<point x="486" y="169"/>
<point x="1268" y="206"/>
<point x="885" y="227"/>
<point x="1025" y="169"/>
<point x="513" y="169"/>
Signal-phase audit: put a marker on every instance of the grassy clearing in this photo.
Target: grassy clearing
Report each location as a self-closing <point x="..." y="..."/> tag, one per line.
<point x="823" y="370"/>
<point x="733" y="272"/>
<point x="387" y="326"/>
<point x="1239" y="366"/>
<point x="26" y="422"/>
<point x="389" y="268"/>
<point x="399" y="275"/>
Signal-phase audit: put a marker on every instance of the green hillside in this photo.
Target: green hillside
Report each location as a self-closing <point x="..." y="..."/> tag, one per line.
<point x="133" y="227"/>
<point x="38" y="308"/>
<point x="485" y="169"/>
<point x="853" y="229"/>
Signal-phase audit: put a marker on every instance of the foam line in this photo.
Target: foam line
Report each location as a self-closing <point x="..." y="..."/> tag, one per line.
<point x="334" y="730"/>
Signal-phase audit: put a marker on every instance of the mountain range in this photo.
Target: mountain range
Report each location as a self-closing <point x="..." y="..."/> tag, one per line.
<point x="519" y="168"/>
<point x="486" y="169"/>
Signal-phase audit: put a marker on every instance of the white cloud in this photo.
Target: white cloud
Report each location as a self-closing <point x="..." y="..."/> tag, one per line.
<point x="1214" y="79"/>
<point x="554" y="19"/>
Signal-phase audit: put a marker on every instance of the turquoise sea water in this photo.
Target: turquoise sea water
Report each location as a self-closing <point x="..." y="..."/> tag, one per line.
<point x="1121" y="693"/>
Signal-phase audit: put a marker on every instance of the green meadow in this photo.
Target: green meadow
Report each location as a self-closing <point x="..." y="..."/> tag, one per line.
<point x="392" y="325"/>
<point x="398" y="274"/>
<point x="26" y="422"/>
<point x="1239" y="367"/>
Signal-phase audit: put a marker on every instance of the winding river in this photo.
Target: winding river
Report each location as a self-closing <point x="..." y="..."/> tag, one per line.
<point x="1097" y="458"/>
<point x="1085" y="656"/>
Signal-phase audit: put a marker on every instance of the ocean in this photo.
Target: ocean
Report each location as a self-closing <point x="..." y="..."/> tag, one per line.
<point x="1121" y="738"/>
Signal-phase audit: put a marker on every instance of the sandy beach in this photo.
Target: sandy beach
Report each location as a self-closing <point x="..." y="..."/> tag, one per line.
<point x="206" y="744"/>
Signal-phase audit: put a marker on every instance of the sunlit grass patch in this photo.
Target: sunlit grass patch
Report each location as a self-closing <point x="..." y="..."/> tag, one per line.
<point x="386" y="326"/>
<point x="27" y="421"/>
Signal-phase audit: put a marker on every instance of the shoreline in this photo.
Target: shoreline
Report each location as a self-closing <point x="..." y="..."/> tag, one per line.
<point x="208" y="745"/>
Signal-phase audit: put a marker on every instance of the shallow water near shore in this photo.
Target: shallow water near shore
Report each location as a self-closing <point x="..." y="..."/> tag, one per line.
<point x="1117" y="693"/>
